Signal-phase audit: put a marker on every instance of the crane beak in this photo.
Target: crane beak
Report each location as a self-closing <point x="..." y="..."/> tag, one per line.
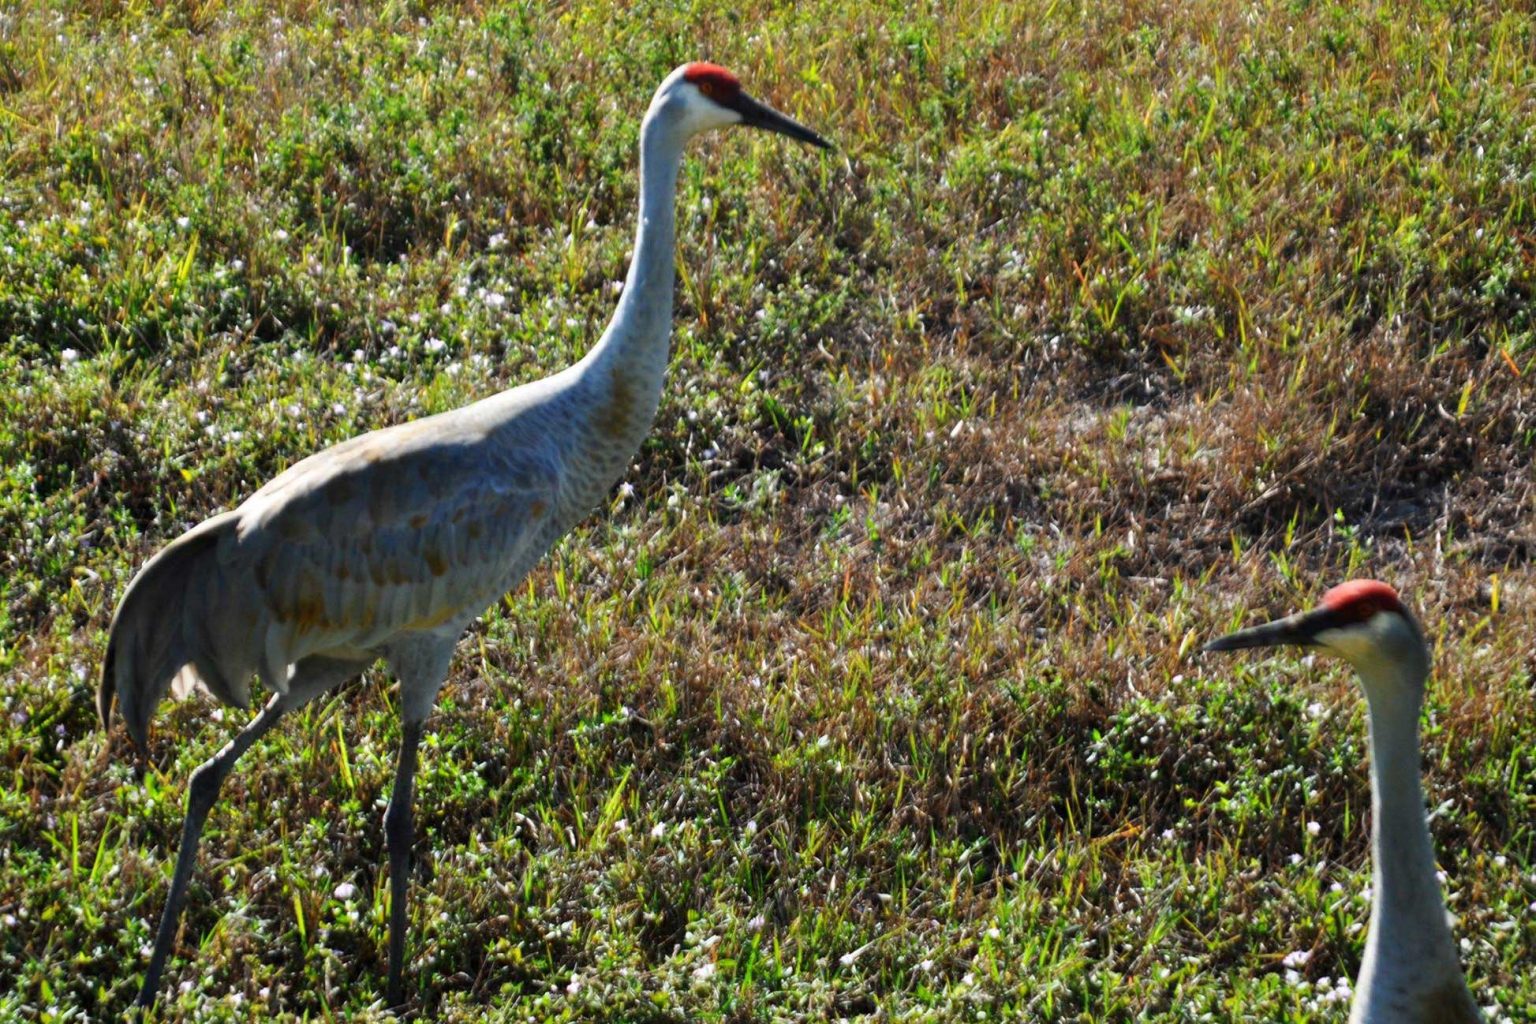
<point x="760" y="115"/>
<point x="1299" y="630"/>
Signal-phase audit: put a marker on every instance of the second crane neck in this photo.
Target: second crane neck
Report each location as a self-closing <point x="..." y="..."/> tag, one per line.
<point x="1407" y="897"/>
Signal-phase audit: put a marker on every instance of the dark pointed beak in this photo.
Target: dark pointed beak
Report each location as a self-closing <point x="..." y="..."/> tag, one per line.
<point x="761" y="115"/>
<point x="1294" y="630"/>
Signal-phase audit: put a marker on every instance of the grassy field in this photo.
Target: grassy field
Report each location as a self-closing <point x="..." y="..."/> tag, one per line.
<point x="874" y="693"/>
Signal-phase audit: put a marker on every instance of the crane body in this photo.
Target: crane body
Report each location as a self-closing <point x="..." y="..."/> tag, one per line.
<point x="390" y="544"/>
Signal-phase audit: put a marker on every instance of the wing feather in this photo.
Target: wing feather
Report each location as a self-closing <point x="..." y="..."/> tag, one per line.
<point x="396" y="531"/>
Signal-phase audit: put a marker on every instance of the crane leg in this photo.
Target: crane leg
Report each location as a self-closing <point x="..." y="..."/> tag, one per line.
<point x="399" y="831"/>
<point x="202" y="791"/>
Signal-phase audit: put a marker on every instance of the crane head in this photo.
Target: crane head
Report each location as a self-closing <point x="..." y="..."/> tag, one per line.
<point x="699" y="96"/>
<point x="1362" y="621"/>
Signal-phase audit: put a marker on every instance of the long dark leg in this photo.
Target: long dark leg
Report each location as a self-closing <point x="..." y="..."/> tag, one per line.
<point x="202" y="791"/>
<point x="399" y="831"/>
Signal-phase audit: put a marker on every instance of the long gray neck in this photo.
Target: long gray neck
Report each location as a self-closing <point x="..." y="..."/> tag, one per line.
<point x="616" y="387"/>
<point x="1406" y="905"/>
<point x="635" y="347"/>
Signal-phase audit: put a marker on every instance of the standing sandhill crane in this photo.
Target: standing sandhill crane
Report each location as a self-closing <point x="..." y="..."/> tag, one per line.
<point x="1410" y="974"/>
<point x="390" y="544"/>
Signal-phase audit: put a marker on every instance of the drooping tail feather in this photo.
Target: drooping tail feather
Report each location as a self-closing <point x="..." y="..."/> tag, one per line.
<point x="170" y="630"/>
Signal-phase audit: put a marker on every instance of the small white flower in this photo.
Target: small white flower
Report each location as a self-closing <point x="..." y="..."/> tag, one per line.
<point x="1313" y="828"/>
<point x="756" y="922"/>
<point x="435" y="344"/>
<point x="183" y="222"/>
<point x="344" y="891"/>
<point x="1297" y="958"/>
<point x="496" y="241"/>
<point x="658" y="830"/>
<point x="68" y="356"/>
<point x="495" y="300"/>
<point x="280" y="235"/>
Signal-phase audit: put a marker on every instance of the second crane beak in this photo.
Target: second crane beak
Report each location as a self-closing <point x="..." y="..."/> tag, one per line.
<point x="1293" y="630"/>
<point x="761" y="115"/>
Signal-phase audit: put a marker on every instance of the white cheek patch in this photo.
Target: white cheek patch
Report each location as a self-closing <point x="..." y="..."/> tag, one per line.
<point x="700" y="113"/>
<point x="1363" y="644"/>
<point x="1358" y="644"/>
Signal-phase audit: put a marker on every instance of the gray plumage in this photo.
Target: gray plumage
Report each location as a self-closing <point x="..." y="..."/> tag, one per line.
<point x="390" y="544"/>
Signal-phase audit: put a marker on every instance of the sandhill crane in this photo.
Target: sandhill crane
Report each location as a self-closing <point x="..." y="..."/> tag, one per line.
<point x="1410" y="974"/>
<point x="388" y="545"/>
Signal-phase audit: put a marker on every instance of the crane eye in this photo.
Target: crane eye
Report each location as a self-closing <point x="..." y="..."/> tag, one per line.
<point x="709" y="89"/>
